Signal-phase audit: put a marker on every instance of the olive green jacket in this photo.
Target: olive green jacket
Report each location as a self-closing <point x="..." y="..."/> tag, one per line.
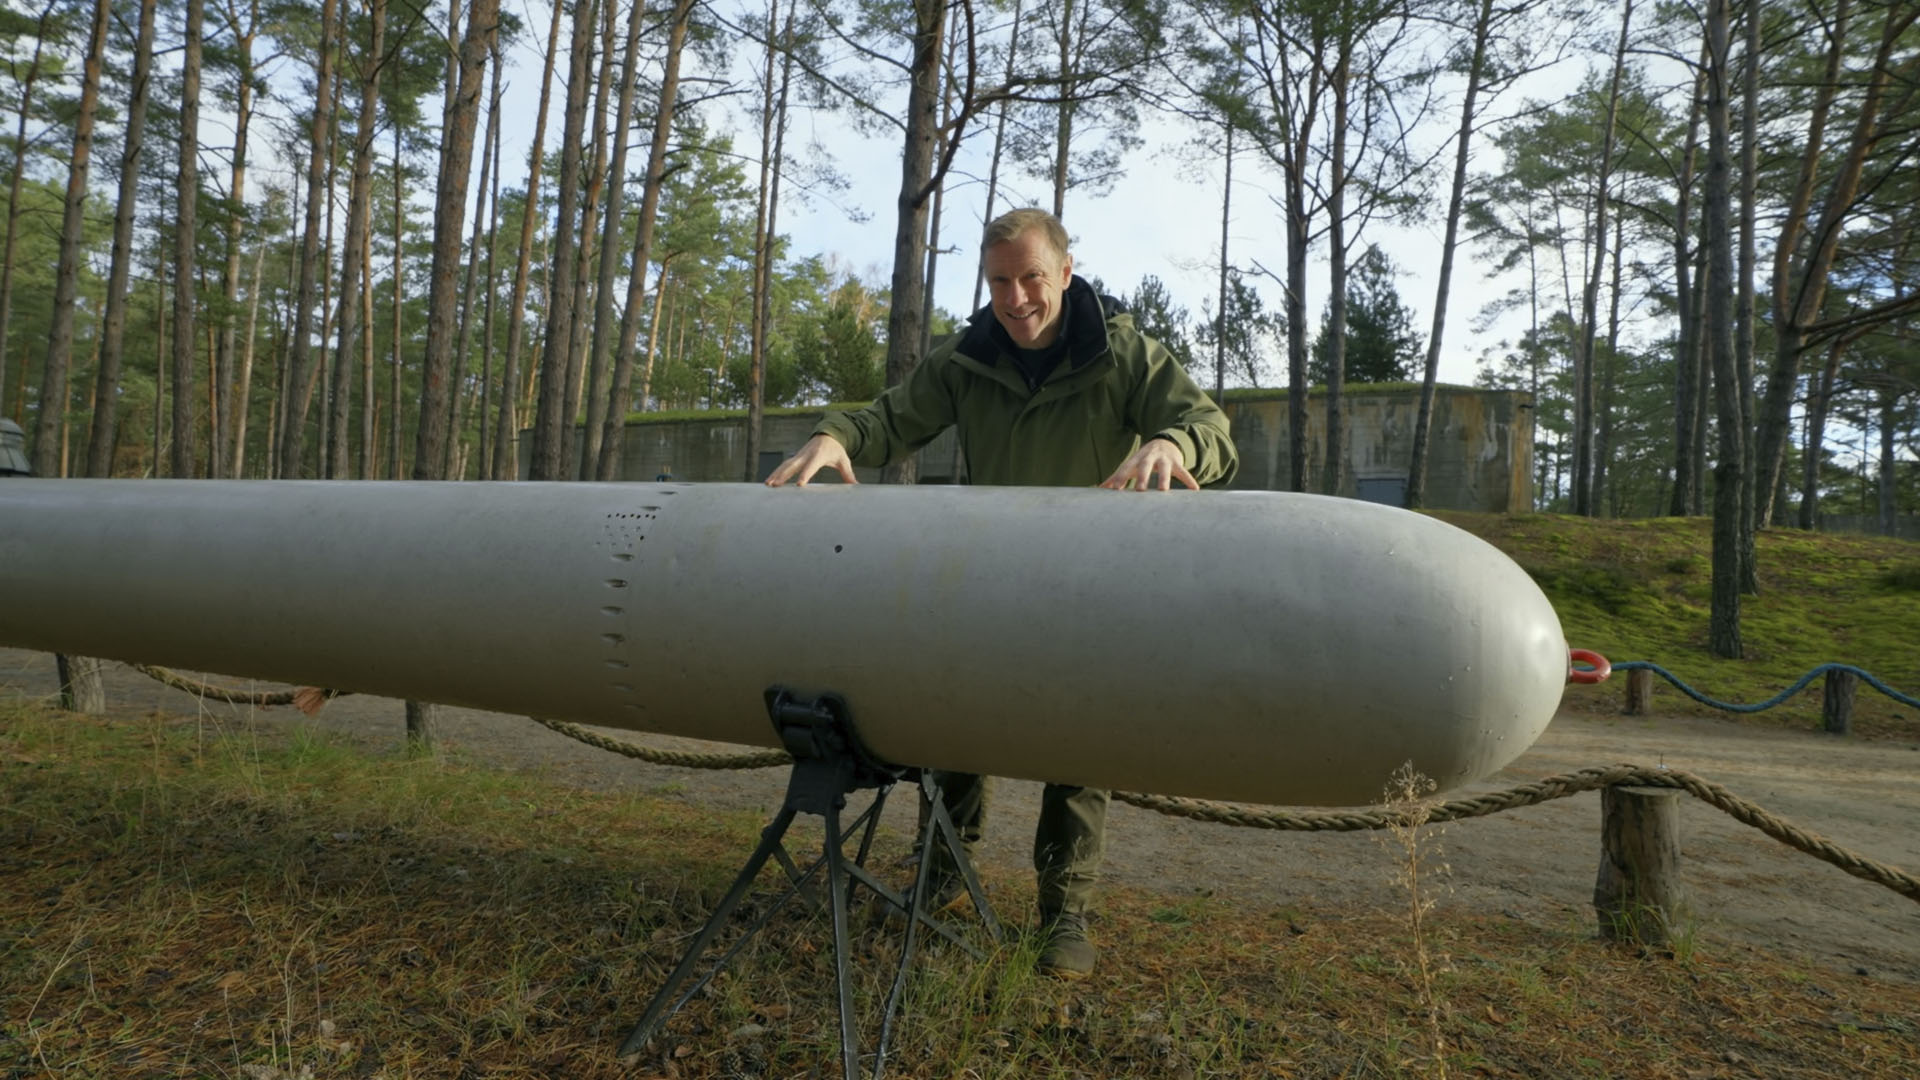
<point x="1114" y="388"/>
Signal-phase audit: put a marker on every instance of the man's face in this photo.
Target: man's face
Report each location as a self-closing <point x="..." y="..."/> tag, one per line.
<point x="1028" y="279"/>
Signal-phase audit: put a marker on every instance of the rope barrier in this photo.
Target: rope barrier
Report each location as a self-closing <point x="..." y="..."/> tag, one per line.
<point x="307" y="699"/>
<point x="1865" y="676"/>
<point x="751" y="759"/>
<point x="1540" y="791"/>
<point x="1355" y="820"/>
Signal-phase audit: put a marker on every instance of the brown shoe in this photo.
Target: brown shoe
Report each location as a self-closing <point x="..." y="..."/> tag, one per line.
<point x="1067" y="954"/>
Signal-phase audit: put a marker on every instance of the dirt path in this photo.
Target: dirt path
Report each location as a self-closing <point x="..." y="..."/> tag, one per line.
<point x="1536" y="863"/>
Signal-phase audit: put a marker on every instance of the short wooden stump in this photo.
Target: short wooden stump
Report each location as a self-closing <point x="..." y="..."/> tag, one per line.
<point x="1638" y="894"/>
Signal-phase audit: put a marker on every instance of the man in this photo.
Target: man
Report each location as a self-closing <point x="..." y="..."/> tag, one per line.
<point x="1050" y="385"/>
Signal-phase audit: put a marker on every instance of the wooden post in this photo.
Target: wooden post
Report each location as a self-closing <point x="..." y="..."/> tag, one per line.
<point x="1836" y="704"/>
<point x="1638" y="894"/>
<point x="80" y="689"/>
<point x="1639" y="692"/>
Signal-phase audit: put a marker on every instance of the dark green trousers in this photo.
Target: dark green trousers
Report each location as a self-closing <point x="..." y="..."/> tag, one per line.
<point x="1068" y="842"/>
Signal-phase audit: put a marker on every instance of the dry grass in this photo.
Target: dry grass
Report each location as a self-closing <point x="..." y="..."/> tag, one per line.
<point x="182" y="901"/>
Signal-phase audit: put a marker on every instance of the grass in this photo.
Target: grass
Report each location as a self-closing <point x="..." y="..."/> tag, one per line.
<point x="182" y="899"/>
<point x="1640" y="589"/>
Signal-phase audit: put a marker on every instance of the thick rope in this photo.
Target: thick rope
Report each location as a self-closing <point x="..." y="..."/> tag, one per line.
<point x="307" y="699"/>
<point x="1540" y="791"/>
<point x="1865" y="676"/>
<point x="752" y="759"/>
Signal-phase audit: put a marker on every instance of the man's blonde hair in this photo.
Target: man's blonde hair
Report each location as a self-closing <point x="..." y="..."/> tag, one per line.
<point x="1015" y="223"/>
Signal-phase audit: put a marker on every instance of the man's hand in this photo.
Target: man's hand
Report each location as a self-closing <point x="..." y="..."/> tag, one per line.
<point x="820" y="452"/>
<point x="1153" y="467"/>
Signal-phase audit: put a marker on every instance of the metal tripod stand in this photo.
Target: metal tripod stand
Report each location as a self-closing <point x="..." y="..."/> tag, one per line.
<point x="830" y="763"/>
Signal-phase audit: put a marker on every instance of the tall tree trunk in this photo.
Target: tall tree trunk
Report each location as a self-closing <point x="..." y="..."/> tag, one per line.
<point x="430" y="443"/>
<point x="485" y="466"/>
<point x="654" y="334"/>
<point x="1889" y="421"/>
<point x="948" y="109"/>
<point x="456" y="160"/>
<point x="184" y="277"/>
<point x="1728" y="473"/>
<point x="584" y="284"/>
<point x="506" y="439"/>
<point x="323" y="371"/>
<point x="551" y="422"/>
<point x="66" y="280"/>
<point x="220" y="452"/>
<point x="608" y="467"/>
<point x="1220" y="316"/>
<point x="1063" y="117"/>
<point x="605" y="331"/>
<point x="773" y="128"/>
<point x="1341" y="83"/>
<point x="1583" y="423"/>
<point x="397" y="368"/>
<point x="359" y="215"/>
<point x="283" y="332"/>
<point x="106" y="416"/>
<point x="999" y="139"/>
<point x="80" y="688"/>
<point x="29" y="79"/>
<point x="1430" y="372"/>
<point x="1703" y="367"/>
<point x="1541" y="492"/>
<point x="160" y="359"/>
<point x="1743" y="303"/>
<point x="295" y="397"/>
<point x="910" y="228"/>
<point x="464" y="337"/>
<point x="367" y="463"/>
<point x="243" y="382"/>
<point x="1817" y="404"/>
<point x="1298" y="383"/>
<point x="1688" y="379"/>
<point x="1295" y="108"/>
<point x="1603" y="443"/>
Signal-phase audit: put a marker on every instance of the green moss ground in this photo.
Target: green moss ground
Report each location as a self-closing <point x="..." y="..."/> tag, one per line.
<point x="1640" y="590"/>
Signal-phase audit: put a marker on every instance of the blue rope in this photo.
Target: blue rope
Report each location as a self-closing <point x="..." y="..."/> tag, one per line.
<point x="1866" y="677"/>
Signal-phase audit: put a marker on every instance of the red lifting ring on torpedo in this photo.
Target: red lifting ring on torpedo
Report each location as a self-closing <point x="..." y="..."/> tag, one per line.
<point x="1596" y="671"/>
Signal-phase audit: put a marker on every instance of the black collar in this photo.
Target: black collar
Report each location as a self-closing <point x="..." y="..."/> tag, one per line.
<point x="1085" y="313"/>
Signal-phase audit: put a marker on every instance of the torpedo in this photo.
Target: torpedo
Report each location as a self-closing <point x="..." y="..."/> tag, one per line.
<point x="1252" y="646"/>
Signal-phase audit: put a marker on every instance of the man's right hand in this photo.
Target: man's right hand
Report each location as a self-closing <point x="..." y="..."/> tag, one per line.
<point x="820" y="452"/>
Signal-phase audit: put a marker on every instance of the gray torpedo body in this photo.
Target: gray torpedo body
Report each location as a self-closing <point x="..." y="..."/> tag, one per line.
<point x="1254" y="646"/>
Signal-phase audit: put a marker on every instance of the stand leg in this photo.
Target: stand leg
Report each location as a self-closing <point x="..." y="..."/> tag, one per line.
<point x="799" y="881"/>
<point x="916" y="904"/>
<point x="866" y="837"/>
<point x="829" y="763"/>
<point x="657" y="1009"/>
<point x="839" y="884"/>
<point x="940" y="827"/>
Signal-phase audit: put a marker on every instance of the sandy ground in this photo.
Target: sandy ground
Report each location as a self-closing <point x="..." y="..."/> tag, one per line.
<point x="1536" y="863"/>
